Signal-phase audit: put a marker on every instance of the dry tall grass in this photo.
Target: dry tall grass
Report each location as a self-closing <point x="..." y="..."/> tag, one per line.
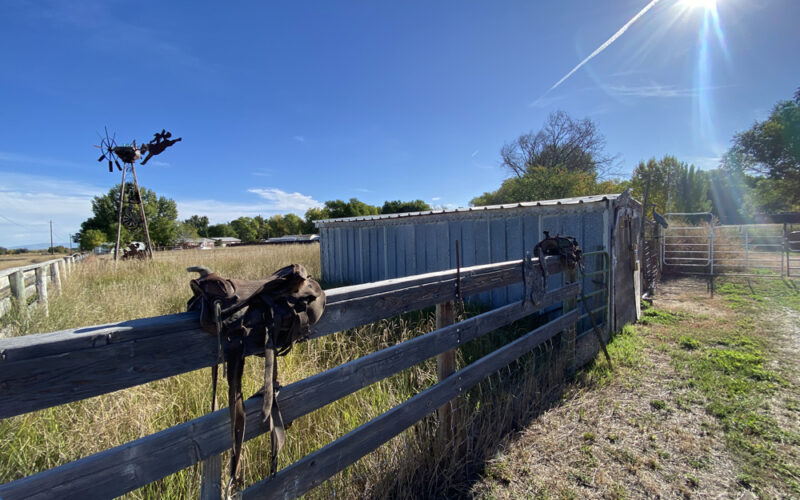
<point x="414" y="464"/>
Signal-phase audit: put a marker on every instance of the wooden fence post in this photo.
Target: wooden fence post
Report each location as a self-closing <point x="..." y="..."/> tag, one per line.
<point x="445" y="366"/>
<point x="55" y="276"/>
<point x="41" y="288"/>
<point x="17" y="282"/>
<point x="211" y="478"/>
<point x="569" y="334"/>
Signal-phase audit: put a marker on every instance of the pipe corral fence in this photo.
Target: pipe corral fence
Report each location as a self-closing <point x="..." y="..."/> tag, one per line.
<point x="27" y="286"/>
<point x="696" y="244"/>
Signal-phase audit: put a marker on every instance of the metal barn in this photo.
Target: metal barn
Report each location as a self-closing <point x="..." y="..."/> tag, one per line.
<point x="373" y="248"/>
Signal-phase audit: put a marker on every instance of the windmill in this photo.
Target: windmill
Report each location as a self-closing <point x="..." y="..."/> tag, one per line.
<point x="128" y="155"/>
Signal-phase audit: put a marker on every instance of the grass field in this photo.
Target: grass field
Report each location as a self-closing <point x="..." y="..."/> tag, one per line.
<point x="23" y="259"/>
<point x="415" y="464"/>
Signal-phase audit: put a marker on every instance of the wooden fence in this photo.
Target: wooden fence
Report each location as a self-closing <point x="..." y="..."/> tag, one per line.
<point x="43" y="370"/>
<point x="18" y="284"/>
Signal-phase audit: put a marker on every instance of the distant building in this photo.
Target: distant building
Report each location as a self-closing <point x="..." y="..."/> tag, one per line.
<point x="198" y="243"/>
<point x="293" y="238"/>
<point x="225" y="241"/>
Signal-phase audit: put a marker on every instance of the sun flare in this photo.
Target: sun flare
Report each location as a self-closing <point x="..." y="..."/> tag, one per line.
<point x="704" y="4"/>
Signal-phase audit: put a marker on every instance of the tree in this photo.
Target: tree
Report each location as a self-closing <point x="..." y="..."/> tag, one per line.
<point x="397" y="206"/>
<point x="245" y="229"/>
<point x="543" y="183"/>
<point x="313" y="214"/>
<point x="161" y="213"/>
<point x="221" y="231"/>
<point x="574" y="145"/>
<point x="674" y="185"/>
<point x="293" y="224"/>
<point x="187" y="231"/>
<point x="199" y="223"/>
<point x="771" y="149"/>
<point x="353" y="208"/>
<point x="92" y="238"/>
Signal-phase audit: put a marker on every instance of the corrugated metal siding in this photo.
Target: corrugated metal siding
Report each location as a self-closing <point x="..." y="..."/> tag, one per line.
<point x="376" y="249"/>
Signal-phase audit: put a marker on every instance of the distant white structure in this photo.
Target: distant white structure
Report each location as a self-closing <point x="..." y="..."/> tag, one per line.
<point x="294" y="238"/>
<point x="224" y="241"/>
<point x="199" y="243"/>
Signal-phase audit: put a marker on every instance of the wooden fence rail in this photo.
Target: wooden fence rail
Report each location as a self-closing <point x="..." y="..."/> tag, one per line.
<point x="39" y="371"/>
<point x="17" y="284"/>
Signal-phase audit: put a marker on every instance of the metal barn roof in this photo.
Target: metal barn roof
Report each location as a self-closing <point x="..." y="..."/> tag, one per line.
<point x="544" y="203"/>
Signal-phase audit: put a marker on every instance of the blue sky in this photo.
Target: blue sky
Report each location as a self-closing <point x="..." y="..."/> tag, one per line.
<point x="283" y="105"/>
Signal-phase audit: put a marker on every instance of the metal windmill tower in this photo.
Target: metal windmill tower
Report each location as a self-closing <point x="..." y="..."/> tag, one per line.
<point x="128" y="155"/>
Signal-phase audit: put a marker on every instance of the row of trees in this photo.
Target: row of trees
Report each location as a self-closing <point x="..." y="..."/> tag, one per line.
<point x="760" y="173"/>
<point x="167" y="230"/>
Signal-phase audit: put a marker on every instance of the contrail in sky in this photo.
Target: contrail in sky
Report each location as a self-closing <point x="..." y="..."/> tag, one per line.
<point x="607" y="42"/>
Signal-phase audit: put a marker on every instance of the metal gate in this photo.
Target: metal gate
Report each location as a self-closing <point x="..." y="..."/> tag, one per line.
<point x="695" y="244"/>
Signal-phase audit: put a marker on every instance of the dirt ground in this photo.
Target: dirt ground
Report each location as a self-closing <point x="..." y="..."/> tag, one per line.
<point x="645" y="431"/>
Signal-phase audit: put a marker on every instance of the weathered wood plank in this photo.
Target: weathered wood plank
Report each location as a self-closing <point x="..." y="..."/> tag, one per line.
<point x="316" y="467"/>
<point x="118" y="470"/>
<point x="17" y="282"/>
<point x="41" y="287"/>
<point x="39" y="371"/>
<point x="445" y="366"/>
<point x="55" y="276"/>
<point x="12" y="270"/>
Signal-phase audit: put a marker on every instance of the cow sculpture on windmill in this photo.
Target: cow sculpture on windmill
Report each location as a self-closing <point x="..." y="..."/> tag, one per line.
<point x="128" y="155"/>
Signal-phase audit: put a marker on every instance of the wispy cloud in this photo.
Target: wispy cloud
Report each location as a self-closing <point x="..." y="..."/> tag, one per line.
<point x="278" y="202"/>
<point x="436" y="198"/>
<point x="158" y="163"/>
<point x="362" y="190"/>
<point x="286" y="202"/>
<point x="607" y="43"/>
<point x="475" y="153"/>
<point x="29" y="202"/>
<point x="654" y="90"/>
<point x="263" y="172"/>
<point x="299" y="138"/>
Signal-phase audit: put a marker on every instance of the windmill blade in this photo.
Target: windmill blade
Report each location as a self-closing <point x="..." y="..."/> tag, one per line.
<point x="110" y="166"/>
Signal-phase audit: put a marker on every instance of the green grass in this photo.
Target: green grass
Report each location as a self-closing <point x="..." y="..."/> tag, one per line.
<point x="728" y="366"/>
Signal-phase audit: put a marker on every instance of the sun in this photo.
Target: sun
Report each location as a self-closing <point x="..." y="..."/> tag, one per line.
<point x="704" y="4"/>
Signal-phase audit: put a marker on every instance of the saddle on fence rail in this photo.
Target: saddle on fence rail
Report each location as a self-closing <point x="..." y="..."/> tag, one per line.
<point x="270" y="315"/>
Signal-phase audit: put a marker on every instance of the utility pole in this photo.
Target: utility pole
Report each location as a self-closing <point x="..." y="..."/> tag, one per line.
<point x="52" y="250"/>
<point x="70" y="243"/>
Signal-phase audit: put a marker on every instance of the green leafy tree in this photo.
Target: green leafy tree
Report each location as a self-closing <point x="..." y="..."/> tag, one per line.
<point x="544" y="183"/>
<point x="313" y="214"/>
<point x="681" y="186"/>
<point x="161" y="213"/>
<point x="293" y="224"/>
<point x="262" y="227"/>
<point x="397" y="206"/>
<point x="771" y="149"/>
<point x="187" y="231"/>
<point x="353" y="208"/>
<point x="199" y="223"/>
<point x="221" y="231"/>
<point x="92" y="238"/>
<point x="245" y="228"/>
